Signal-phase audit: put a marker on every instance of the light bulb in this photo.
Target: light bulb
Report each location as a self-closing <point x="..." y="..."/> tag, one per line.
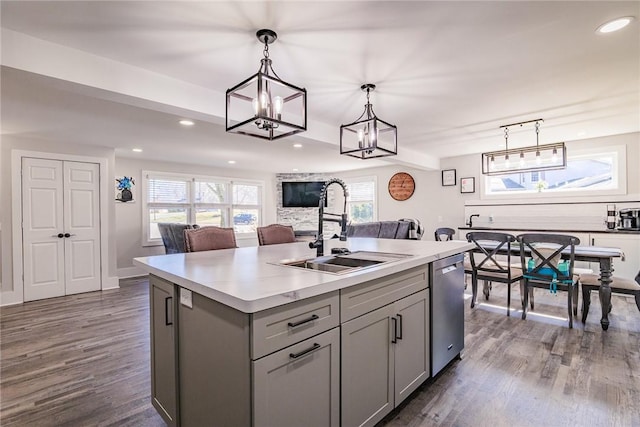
<point x="492" y="163"/>
<point x="521" y="159"/>
<point x="507" y="163"/>
<point x="554" y="156"/>
<point x="264" y="101"/>
<point x="538" y="160"/>
<point x="278" y="102"/>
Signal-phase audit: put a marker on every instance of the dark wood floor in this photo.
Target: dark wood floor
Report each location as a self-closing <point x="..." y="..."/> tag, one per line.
<point x="83" y="360"/>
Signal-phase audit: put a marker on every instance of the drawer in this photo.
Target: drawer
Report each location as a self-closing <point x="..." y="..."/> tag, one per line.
<point x="360" y="299"/>
<point x="283" y="326"/>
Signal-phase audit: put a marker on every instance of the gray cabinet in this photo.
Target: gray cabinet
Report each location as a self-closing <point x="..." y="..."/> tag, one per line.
<point x="385" y="357"/>
<point x="164" y="372"/>
<point x="299" y="385"/>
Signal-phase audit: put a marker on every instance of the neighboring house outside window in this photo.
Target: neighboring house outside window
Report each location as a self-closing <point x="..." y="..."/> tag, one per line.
<point x="187" y="199"/>
<point x="361" y="203"/>
<point x="587" y="172"/>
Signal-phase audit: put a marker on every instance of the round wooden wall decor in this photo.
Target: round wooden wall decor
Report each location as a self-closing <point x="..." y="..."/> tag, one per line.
<point x="401" y="186"/>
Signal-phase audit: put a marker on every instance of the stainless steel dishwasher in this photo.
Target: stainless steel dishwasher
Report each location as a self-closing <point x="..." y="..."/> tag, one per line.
<point x="447" y="311"/>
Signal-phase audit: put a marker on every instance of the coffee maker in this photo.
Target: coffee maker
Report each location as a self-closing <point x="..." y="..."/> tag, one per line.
<point x="629" y="219"/>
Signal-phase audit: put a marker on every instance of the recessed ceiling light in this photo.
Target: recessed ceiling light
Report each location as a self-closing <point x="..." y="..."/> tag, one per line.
<point x="295" y="169"/>
<point x="232" y="162"/>
<point x="186" y="122"/>
<point x="137" y="150"/>
<point x="615" y="25"/>
<point x="582" y="133"/>
<point x="297" y="145"/>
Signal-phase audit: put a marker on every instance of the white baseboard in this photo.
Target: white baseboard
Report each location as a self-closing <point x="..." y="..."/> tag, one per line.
<point x="125" y="273"/>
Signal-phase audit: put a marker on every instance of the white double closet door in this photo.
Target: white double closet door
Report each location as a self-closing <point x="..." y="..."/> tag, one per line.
<point x="60" y="227"/>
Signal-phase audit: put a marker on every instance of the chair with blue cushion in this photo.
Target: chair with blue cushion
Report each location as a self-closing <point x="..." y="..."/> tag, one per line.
<point x="540" y="257"/>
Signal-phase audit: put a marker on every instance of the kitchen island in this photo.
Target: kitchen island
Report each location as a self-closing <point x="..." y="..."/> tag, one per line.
<point x="238" y="339"/>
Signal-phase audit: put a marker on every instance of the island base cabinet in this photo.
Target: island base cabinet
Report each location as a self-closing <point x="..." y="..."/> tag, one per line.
<point x="164" y="373"/>
<point x="299" y="385"/>
<point x="385" y="357"/>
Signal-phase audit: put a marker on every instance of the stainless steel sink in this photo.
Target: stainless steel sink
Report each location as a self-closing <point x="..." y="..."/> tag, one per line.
<point x="344" y="263"/>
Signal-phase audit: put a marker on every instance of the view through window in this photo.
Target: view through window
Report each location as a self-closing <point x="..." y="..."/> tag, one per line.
<point x="201" y="200"/>
<point x="361" y="203"/>
<point x="587" y="172"/>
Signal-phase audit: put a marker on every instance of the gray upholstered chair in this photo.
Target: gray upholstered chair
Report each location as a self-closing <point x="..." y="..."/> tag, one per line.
<point x="591" y="282"/>
<point x="274" y="234"/>
<point x="209" y="239"/>
<point x="173" y="236"/>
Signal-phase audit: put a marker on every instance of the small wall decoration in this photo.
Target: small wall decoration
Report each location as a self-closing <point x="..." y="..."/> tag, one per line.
<point x="468" y="185"/>
<point x="448" y="177"/>
<point x="123" y="189"/>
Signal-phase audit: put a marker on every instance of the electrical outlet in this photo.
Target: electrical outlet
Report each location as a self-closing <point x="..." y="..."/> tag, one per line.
<point x="491" y="218"/>
<point x="186" y="297"/>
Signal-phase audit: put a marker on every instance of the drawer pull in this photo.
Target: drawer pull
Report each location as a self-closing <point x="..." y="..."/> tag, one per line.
<point x="315" y="346"/>
<point x="303" y="321"/>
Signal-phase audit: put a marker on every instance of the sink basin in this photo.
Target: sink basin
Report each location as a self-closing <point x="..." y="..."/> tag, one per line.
<point x="340" y="264"/>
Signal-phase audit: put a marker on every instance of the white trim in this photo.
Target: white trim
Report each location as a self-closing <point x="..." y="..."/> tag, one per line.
<point x="127" y="272"/>
<point x="17" y="294"/>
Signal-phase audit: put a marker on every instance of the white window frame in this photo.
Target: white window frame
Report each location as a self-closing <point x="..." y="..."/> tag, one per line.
<point x="619" y="178"/>
<point x="192" y="205"/>
<point x="370" y="178"/>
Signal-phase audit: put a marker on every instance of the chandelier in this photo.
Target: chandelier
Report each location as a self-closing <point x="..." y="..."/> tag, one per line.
<point x="264" y="105"/>
<point x="368" y="137"/>
<point x="526" y="159"/>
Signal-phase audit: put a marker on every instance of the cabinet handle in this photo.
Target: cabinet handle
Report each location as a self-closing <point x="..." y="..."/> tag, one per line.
<point x="303" y="321"/>
<point x="59" y="235"/>
<point x="315" y="346"/>
<point x="395" y="330"/>
<point x="68" y="235"/>
<point x="399" y="336"/>
<point x="167" y="311"/>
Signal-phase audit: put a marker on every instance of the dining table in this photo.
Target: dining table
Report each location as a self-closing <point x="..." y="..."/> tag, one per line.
<point x="602" y="255"/>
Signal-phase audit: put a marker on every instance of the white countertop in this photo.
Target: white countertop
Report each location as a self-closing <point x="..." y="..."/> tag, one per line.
<point x="247" y="280"/>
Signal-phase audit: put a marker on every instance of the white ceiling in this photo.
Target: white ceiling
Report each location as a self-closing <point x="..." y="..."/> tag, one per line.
<point x="120" y="74"/>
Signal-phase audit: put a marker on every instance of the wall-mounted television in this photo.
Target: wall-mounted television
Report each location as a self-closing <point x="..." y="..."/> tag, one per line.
<point x="302" y="194"/>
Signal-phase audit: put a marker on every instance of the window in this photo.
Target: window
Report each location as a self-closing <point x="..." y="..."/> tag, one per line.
<point x="361" y="203"/>
<point x="588" y="172"/>
<point x="200" y="200"/>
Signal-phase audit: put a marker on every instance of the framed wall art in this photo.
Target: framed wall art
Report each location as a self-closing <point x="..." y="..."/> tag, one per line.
<point x="448" y="177"/>
<point x="468" y="185"/>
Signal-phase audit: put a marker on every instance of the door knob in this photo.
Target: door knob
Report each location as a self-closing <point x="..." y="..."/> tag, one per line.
<point x="60" y="235"/>
<point x="67" y="235"/>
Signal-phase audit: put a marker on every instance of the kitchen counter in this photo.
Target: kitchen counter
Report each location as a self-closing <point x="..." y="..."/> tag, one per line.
<point x="248" y="280"/>
<point x="238" y="340"/>
<point x="564" y="230"/>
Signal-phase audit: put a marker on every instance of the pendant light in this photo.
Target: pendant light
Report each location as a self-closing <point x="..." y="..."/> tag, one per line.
<point x="368" y="137"/>
<point x="264" y="105"/>
<point x="533" y="158"/>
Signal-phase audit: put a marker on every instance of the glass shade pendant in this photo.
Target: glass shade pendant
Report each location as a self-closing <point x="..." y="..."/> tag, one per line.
<point x="263" y="105"/>
<point x="368" y="137"/>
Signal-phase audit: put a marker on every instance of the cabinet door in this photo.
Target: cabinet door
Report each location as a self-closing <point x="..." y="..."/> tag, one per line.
<point x="164" y="372"/>
<point x="300" y="385"/>
<point x="630" y="245"/>
<point x="412" y="344"/>
<point x="367" y="368"/>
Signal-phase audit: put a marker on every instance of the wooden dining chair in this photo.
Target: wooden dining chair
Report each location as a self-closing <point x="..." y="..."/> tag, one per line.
<point x="490" y="267"/>
<point x="274" y="234"/>
<point x="444" y="233"/>
<point x="209" y="238"/>
<point x="619" y="285"/>
<point x="540" y="258"/>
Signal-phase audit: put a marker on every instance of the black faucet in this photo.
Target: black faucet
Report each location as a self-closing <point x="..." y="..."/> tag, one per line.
<point x="470" y="223"/>
<point x="319" y="242"/>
